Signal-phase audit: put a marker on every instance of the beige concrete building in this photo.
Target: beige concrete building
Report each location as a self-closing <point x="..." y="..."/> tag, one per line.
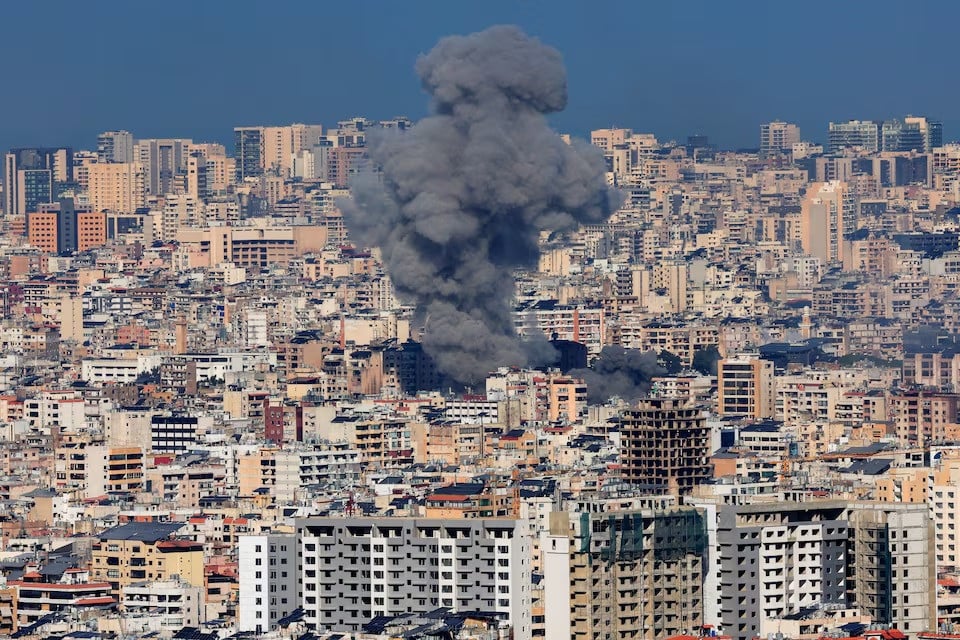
<point x="137" y="551"/>
<point x="822" y="221"/>
<point x="624" y="574"/>
<point x="568" y="398"/>
<point x="777" y="137"/>
<point x="745" y="387"/>
<point x="117" y="187"/>
<point x="250" y="247"/>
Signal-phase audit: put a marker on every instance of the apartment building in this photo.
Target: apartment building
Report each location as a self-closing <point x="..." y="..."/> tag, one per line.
<point x="186" y="486"/>
<point x="936" y="369"/>
<point x="163" y="606"/>
<point x="682" y="340"/>
<point x="267" y="570"/>
<point x="60" y="411"/>
<point x="115" y="146"/>
<point x="624" y="574"/>
<point x="116" y="187"/>
<point x="745" y="387"/>
<point x="778" y="137"/>
<point x="891" y="573"/>
<point x="96" y="470"/>
<point x="922" y="417"/>
<point x="380" y="440"/>
<point x="824" y="218"/>
<point x="777" y="559"/>
<point x="452" y="442"/>
<point x="548" y="318"/>
<point x="252" y="248"/>
<point x="568" y="398"/>
<point x="174" y="433"/>
<point x="938" y="487"/>
<point x="666" y="443"/>
<point x="37" y="597"/>
<point x="353" y="569"/>
<point x="808" y="397"/>
<point x="63" y="227"/>
<point x="138" y="551"/>
<point x="285" y="472"/>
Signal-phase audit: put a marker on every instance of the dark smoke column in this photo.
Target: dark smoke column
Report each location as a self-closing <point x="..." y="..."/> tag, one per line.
<point x="464" y="195"/>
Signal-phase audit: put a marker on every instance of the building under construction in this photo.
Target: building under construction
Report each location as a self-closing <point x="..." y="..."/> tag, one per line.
<point x="665" y="443"/>
<point x="624" y="574"/>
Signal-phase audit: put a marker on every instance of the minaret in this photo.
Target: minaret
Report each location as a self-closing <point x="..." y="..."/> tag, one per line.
<point x="806" y="325"/>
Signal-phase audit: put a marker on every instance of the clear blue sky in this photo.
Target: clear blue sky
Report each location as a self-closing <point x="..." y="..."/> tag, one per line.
<point x="196" y="68"/>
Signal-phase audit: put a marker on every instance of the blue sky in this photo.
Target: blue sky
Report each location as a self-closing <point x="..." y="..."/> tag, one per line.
<point x="197" y="68"/>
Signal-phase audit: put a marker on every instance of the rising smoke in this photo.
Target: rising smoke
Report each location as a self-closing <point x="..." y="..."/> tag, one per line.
<point x="619" y="372"/>
<point x="463" y="196"/>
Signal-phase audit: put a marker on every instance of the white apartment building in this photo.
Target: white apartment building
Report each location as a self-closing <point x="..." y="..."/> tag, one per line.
<point x="117" y="370"/>
<point x="162" y="606"/>
<point x="353" y="569"/>
<point x="268" y="580"/>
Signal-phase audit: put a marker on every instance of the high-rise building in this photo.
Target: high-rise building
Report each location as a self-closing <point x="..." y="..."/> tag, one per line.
<point x="745" y="387"/>
<point x="116" y="187"/>
<point x="272" y="149"/>
<point x="774" y="560"/>
<point x="913" y="133"/>
<point x="624" y="574"/>
<point x="174" y="433"/>
<point x="665" y="442"/>
<point x="930" y="130"/>
<point x="163" y="160"/>
<point x="891" y="573"/>
<point x="267" y="567"/>
<point x="217" y="169"/>
<point x="82" y="161"/>
<point x="248" y="152"/>
<point x="30" y="176"/>
<point x="824" y="218"/>
<point x="608" y="139"/>
<point x="42" y="231"/>
<point x="861" y="134"/>
<point x="341" y="163"/>
<point x="115" y="146"/>
<point x="63" y="228"/>
<point x="353" y="569"/>
<point x="34" y="188"/>
<point x="778" y="137"/>
<point x="898" y="135"/>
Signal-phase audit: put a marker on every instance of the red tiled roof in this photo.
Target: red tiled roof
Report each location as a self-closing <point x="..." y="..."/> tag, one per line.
<point x="95" y="601"/>
<point x="449" y="497"/>
<point x="178" y="545"/>
<point x="54" y="586"/>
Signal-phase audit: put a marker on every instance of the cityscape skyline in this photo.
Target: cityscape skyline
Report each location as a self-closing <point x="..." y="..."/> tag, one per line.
<point x="698" y="69"/>
<point x="391" y="363"/>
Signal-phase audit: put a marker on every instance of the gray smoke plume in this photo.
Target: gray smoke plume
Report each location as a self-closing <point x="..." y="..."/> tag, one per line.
<point x="625" y="373"/>
<point x="463" y="196"/>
